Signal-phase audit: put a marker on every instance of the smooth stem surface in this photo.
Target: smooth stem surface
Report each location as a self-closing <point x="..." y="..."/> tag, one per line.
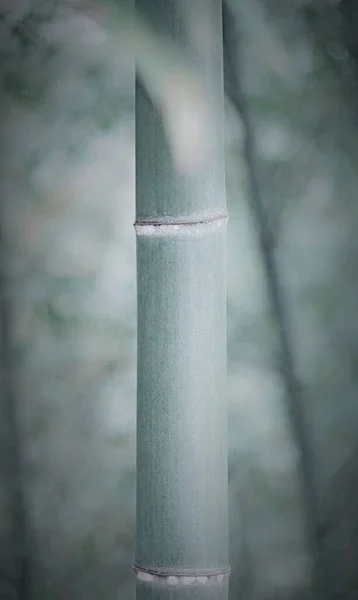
<point x="181" y="221"/>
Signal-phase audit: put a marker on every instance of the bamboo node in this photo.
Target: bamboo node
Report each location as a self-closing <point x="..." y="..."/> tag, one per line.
<point x="165" y="577"/>
<point x="179" y="228"/>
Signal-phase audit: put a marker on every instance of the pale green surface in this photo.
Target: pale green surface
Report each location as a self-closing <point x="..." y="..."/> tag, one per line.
<point x="191" y="188"/>
<point x="182" y="491"/>
<point x="199" y="592"/>
<point x="181" y="424"/>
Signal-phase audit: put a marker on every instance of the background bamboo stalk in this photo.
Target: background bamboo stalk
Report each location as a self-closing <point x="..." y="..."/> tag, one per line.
<point x="182" y="503"/>
<point x="15" y="579"/>
<point x="295" y="405"/>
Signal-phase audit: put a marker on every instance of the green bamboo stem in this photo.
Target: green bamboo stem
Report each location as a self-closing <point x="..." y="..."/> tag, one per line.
<point x="181" y="220"/>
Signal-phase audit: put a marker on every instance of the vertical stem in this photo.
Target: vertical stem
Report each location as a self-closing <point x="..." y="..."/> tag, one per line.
<point x="297" y="417"/>
<point x="14" y="573"/>
<point x="181" y="220"/>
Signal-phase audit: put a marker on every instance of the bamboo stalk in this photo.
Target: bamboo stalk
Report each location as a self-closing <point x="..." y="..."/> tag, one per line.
<point x="15" y="575"/>
<point x="181" y="221"/>
<point x="294" y="400"/>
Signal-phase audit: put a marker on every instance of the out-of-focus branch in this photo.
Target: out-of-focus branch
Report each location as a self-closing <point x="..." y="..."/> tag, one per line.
<point x="174" y="88"/>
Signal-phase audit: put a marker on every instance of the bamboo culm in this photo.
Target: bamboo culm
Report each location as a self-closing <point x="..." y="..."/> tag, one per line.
<point x="181" y="222"/>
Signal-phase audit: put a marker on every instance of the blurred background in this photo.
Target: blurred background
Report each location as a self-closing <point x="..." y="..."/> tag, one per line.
<point x="68" y="302"/>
